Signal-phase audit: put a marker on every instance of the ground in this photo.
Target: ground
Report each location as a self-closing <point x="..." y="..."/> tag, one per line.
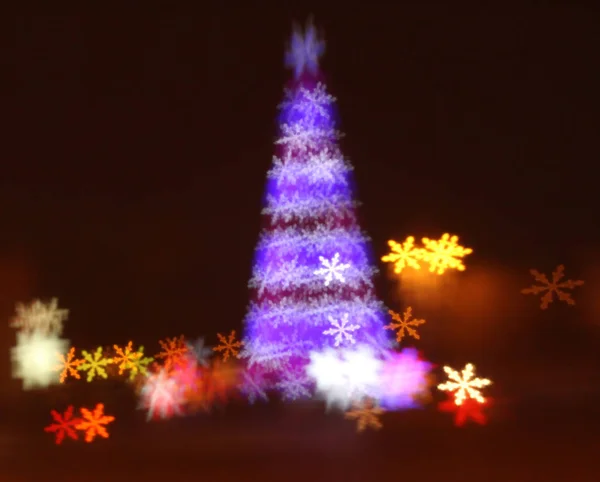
<point x="523" y="442"/>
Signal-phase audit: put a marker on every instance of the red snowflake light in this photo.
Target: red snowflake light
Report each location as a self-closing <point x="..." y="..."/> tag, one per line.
<point x="63" y="425"/>
<point x="469" y="409"/>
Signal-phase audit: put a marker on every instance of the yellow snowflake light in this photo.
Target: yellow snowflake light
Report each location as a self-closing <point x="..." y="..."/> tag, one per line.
<point x="366" y="414"/>
<point x="403" y="255"/>
<point x="94" y="365"/>
<point x="174" y="352"/>
<point x="68" y="365"/>
<point x="228" y="346"/>
<point x="444" y="253"/>
<point x="464" y="386"/>
<point x="550" y="287"/>
<point x="128" y="359"/>
<point x="403" y="323"/>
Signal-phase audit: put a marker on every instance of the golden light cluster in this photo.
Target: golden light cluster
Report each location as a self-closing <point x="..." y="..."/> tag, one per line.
<point x="440" y="254"/>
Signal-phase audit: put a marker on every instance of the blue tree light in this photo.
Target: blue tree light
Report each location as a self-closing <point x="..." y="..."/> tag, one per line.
<point x="312" y="283"/>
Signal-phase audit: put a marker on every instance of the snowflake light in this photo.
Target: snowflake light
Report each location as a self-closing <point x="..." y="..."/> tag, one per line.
<point x="464" y="386"/>
<point x="161" y="396"/>
<point x="196" y="396"/>
<point x="404" y="255"/>
<point x="200" y="351"/>
<point x="93" y="423"/>
<point x="254" y="383"/>
<point x="403" y="379"/>
<point x="554" y="287"/>
<point x="68" y="365"/>
<point x="332" y="269"/>
<point x="342" y="330"/>
<point x="228" y="346"/>
<point x="444" y="253"/>
<point x="305" y="50"/>
<point x="295" y="384"/>
<point x="64" y="424"/>
<point x="94" y="364"/>
<point x="345" y="376"/>
<point x="366" y="413"/>
<point x="131" y="360"/>
<point x="404" y="324"/>
<point x="34" y="358"/>
<point x="221" y="380"/>
<point x="41" y="317"/>
<point x="174" y="352"/>
<point x="470" y="409"/>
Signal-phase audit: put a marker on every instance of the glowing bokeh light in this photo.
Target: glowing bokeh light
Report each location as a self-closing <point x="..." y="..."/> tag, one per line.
<point x="345" y="376"/>
<point x="34" y="359"/>
<point x="464" y="385"/>
<point x="553" y="287"/>
<point x="404" y="379"/>
<point x="161" y="396"/>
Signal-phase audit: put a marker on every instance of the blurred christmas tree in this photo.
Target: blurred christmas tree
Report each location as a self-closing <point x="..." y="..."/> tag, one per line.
<point x="312" y="278"/>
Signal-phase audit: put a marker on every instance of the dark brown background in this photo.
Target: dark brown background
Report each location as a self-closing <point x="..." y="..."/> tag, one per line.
<point x="134" y="167"/>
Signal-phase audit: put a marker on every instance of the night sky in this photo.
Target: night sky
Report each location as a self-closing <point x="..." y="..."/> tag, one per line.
<point x="135" y="161"/>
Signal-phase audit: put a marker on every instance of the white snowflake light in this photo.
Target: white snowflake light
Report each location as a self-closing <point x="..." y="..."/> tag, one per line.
<point x="34" y="359"/>
<point x="464" y="385"/>
<point x="294" y="384"/>
<point x="342" y="330"/>
<point x="44" y="318"/>
<point x="200" y="352"/>
<point x="332" y="269"/>
<point x="345" y="376"/>
<point x="254" y="384"/>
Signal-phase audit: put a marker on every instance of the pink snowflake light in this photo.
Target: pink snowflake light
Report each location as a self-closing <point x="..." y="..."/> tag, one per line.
<point x="186" y="373"/>
<point x="403" y="378"/>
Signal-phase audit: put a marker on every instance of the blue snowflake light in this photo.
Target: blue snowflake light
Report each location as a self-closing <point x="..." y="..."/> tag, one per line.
<point x="305" y="50"/>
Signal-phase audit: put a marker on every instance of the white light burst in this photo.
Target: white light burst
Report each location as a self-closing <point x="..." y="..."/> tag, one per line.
<point x="161" y="395"/>
<point x="34" y="359"/>
<point x="344" y="376"/>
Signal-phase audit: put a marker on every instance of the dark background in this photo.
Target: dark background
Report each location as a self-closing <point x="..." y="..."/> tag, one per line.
<point x="138" y="142"/>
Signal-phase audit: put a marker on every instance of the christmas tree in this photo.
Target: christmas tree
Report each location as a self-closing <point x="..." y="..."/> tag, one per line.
<point x="311" y="286"/>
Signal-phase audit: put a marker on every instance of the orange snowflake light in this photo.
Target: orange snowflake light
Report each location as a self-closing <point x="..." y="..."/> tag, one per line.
<point x="404" y="325"/>
<point x="68" y="365"/>
<point x="228" y="346"/>
<point x="63" y="425"/>
<point x="444" y="253"/>
<point x="366" y="414"/>
<point x="93" y="423"/>
<point x="552" y="287"/>
<point x="221" y="379"/>
<point x="404" y="255"/>
<point x="174" y="352"/>
<point x="196" y="394"/>
<point x="125" y="357"/>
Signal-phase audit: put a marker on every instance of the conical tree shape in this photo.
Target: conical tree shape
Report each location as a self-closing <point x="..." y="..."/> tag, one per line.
<point x="312" y="279"/>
